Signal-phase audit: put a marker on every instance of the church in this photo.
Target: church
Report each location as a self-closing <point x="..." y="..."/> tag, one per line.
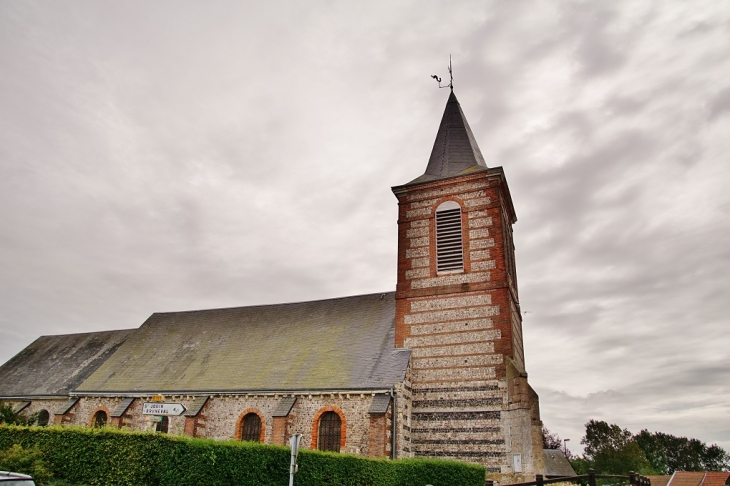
<point x="434" y="369"/>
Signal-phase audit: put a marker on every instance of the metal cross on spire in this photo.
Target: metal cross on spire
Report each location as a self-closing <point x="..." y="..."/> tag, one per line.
<point x="451" y="77"/>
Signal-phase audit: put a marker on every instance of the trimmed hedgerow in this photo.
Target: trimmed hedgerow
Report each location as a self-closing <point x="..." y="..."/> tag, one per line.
<point x="115" y="457"/>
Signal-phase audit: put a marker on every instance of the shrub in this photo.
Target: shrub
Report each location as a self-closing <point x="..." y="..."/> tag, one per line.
<point x="26" y="461"/>
<point x="113" y="457"/>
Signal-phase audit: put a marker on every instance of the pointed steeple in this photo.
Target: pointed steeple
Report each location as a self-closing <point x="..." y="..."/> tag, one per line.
<point x="455" y="151"/>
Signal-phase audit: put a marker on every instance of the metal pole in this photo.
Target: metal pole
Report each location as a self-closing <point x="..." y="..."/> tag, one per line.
<point x="393" y="427"/>
<point x="294" y="441"/>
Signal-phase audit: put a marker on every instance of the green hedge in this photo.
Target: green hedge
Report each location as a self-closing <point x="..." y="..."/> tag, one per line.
<point x="113" y="457"/>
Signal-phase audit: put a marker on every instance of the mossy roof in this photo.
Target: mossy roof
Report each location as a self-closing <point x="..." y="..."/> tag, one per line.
<point x="55" y="365"/>
<point x="334" y="344"/>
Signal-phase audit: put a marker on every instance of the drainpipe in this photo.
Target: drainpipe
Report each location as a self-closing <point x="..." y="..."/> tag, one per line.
<point x="392" y="426"/>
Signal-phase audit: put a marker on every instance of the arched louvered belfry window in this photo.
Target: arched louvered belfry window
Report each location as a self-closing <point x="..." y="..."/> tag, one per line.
<point x="330" y="432"/>
<point x="100" y="419"/>
<point x="43" y="418"/>
<point x="251" y="428"/>
<point x="449" y="243"/>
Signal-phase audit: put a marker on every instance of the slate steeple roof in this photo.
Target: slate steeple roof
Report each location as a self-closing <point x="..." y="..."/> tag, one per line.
<point x="455" y="151"/>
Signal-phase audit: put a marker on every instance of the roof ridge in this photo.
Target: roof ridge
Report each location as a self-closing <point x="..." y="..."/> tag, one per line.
<point x="87" y="332"/>
<point x="190" y="311"/>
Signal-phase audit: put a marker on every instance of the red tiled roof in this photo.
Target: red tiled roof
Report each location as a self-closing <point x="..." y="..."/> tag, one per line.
<point x="686" y="478"/>
<point x="659" y="480"/>
<point x="716" y="478"/>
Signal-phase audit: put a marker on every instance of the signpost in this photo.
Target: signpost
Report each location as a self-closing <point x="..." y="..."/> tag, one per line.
<point x="157" y="408"/>
<point x="294" y="441"/>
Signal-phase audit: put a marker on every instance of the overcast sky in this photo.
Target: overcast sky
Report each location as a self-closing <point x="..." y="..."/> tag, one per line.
<point x="170" y="155"/>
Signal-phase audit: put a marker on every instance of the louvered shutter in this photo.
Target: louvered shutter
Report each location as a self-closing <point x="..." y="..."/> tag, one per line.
<point x="449" y="244"/>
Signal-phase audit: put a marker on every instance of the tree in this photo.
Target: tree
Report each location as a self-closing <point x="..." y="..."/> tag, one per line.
<point x="716" y="459"/>
<point x="668" y="453"/>
<point x="612" y="450"/>
<point x="10" y="417"/>
<point x="550" y="440"/>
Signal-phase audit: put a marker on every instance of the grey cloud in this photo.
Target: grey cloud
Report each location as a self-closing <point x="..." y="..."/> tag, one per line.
<point x="720" y="104"/>
<point x="241" y="153"/>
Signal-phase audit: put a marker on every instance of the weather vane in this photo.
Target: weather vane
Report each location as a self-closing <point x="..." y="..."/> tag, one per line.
<point x="451" y="76"/>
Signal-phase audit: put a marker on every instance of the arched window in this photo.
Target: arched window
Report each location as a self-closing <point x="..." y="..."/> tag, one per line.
<point x="449" y="244"/>
<point x="330" y="432"/>
<point x="163" y="424"/>
<point x="43" y="418"/>
<point x="100" y="419"/>
<point x="251" y="428"/>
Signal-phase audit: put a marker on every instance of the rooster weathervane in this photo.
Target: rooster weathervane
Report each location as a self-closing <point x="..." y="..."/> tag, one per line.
<point x="451" y="77"/>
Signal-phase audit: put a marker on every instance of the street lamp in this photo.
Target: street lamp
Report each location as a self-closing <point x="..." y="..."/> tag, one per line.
<point x="565" y="447"/>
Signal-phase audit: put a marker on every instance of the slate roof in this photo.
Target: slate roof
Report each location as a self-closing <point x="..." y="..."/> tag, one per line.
<point x="195" y="408"/>
<point x="455" y="151"/>
<point x="284" y="407"/>
<point x="556" y="464"/>
<point x="122" y="407"/>
<point x="335" y="344"/>
<point x="54" y="365"/>
<point x="64" y="407"/>
<point x="21" y="406"/>
<point x="380" y="404"/>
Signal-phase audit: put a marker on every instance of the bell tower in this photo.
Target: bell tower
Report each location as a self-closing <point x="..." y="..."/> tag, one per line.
<point x="457" y="309"/>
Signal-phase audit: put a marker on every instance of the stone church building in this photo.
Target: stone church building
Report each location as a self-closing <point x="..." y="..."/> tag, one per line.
<point x="435" y="369"/>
